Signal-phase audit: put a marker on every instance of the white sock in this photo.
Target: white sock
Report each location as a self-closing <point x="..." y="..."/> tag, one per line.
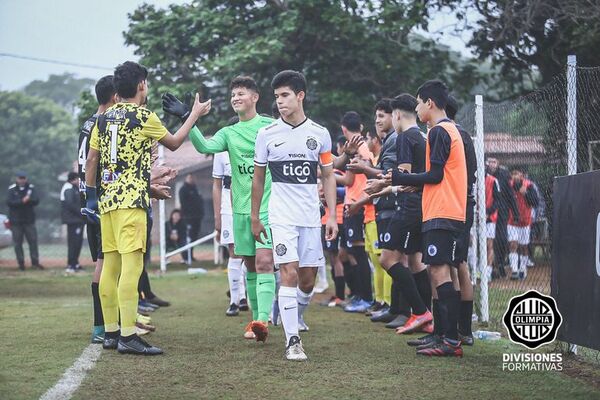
<point x="243" y="280"/>
<point x="303" y="301"/>
<point x="234" y="275"/>
<point x="523" y="263"/>
<point x="288" y="305"/>
<point x="322" y="273"/>
<point x="514" y="261"/>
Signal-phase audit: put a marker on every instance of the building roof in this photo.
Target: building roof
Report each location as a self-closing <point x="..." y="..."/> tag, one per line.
<point x="186" y="159"/>
<point x="505" y="143"/>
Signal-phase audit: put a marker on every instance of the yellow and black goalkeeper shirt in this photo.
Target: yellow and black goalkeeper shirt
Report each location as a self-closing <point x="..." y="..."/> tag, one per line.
<point x="124" y="136"/>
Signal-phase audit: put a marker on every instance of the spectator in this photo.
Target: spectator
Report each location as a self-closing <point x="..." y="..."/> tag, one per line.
<point x="506" y="203"/>
<point x="519" y="228"/>
<point x="71" y="216"/>
<point x="22" y="197"/>
<point x="192" y="210"/>
<point x="176" y="231"/>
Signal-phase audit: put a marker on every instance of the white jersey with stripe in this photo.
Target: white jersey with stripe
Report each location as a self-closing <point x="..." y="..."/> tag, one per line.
<point x="293" y="155"/>
<point x="222" y="170"/>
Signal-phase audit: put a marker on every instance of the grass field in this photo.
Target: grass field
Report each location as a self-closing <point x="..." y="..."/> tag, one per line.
<point x="45" y="321"/>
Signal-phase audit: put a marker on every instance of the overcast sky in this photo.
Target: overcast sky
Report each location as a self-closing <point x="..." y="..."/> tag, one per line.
<point x="82" y="32"/>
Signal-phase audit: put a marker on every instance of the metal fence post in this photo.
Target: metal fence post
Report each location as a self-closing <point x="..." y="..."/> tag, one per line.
<point x="161" y="218"/>
<point x="572" y="128"/>
<point x="481" y="217"/>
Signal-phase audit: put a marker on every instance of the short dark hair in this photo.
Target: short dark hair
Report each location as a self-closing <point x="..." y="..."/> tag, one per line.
<point x="518" y="167"/>
<point x="292" y="79"/>
<point x="404" y="102"/>
<point x="372" y="133"/>
<point x="72" y="175"/>
<point x="341" y="140"/>
<point x="127" y="77"/>
<point x="352" y="121"/>
<point x="384" y="105"/>
<point x="451" y="107"/>
<point x="435" y="90"/>
<point x="275" y="110"/>
<point x="105" y="89"/>
<point x="243" y="81"/>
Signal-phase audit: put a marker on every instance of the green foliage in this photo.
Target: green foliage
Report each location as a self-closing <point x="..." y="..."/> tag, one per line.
<point x="86" y="107"/>
<point x="63" y="89"/>
<point x="352" y="53"/>
<point x="39" y="137"/>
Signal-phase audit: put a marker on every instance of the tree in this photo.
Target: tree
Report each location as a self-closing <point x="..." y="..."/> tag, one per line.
<point x="39" y="137"/>
<point x="352" y="53"/>
<point x="62" y="89"/>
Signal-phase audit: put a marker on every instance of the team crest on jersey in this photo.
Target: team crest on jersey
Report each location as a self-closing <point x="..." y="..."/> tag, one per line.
<point x="225" y="234"/>
<point x="432" y="250"/>
<point x="280" y="249"/>
<point x="109" y="176"/>
<point x="311" y="143"/>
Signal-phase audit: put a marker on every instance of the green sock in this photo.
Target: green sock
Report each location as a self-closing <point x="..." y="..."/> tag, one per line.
<point x="251" y="288"/>
<point x="265" y="293"/>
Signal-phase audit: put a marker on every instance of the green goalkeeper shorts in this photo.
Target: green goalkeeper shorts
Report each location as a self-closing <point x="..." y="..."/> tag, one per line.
<point x="243" y="240"/>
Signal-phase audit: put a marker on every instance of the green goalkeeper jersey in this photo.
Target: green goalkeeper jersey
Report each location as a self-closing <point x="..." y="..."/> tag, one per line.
<point x="239" y="141"/>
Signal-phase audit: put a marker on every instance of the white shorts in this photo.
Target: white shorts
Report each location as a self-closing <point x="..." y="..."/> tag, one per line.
<point x="297" y="243"/>
<point x="226" y="229"/>
<point x="490" y="230"/>
<point x="519" y="234"/>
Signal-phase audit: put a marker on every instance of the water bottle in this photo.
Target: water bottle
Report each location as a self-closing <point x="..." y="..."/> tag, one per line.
<point x="487" y="335"/>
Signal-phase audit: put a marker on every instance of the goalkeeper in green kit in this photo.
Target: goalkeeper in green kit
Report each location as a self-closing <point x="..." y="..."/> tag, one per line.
<point x="239" y="140"/>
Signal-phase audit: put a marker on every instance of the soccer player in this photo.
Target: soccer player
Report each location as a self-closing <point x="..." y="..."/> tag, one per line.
<point x="106" y="96"/>
<point x="238" y="140"/>
<point x="519" y="228"/>
<point x="443" y="206"/>
<point x="292" y="147"/>
<point x="492" y="199"/>
<point x="120" y="147"/>
<point x="224" y="226"/>
<point x="401" y="238"/>
<point x="464" y="279"/>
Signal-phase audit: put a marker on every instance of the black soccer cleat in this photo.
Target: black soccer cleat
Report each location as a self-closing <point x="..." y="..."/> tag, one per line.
<point x="447" y="348"/>
<point x="137" y="346"/>
<point x="244" y="305"/>
<point x="467" y="340"/>
<point x="110" y="343"/>
<point x="233" y="310"/>
<point x="429" y="341"/>
<point x="157" y="301"/>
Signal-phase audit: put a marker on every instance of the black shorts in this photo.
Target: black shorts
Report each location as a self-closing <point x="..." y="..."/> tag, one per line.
<point x="94" y="241"/>
<point x="441" y="246"/>
<point x="465" y="236"/>
<point x="399" y="236"/>
<point x="329" y="245"/>
<point x="353" y="228"/>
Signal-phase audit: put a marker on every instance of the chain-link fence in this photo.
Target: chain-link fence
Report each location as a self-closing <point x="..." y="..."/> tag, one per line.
<point x="527" y="142"/>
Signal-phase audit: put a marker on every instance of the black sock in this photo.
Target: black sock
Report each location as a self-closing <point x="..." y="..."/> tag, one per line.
<point x="112" y="335"/>
<point x="349" y="270"/>
<point x="437" y="324"/>
<point x="144" y="286"/>
<point x="98" y="317"/>
<point x="340" y="287"/>
<point x="424" y="287"/>
<point x="450" y="303"/>
<point x="464" y="321"/>
<point x="364" y="273"/>
<point x="128" y="338"/>
<point x="408" y="287"/>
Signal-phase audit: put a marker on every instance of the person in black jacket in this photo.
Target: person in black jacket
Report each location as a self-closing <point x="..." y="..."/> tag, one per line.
<point x="176" y="231"/>
<point x="70" y="203"/>
<point x="22" y="197"/>
<point x="192" y="210"/>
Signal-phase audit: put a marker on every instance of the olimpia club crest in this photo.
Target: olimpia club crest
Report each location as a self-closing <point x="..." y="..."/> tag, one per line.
<point x="532" y="319"/>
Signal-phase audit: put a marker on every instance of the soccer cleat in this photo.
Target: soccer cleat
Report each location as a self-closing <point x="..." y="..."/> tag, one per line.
<point x="432" y="342"/>
<point x="244" y="305"/>
<point x="140" y="331"/>
<point x="157" y="301"/>
<point x="143" y="319"/>
<point x="415" y="322"/>
<point x="385" y="316"/>
<point x="70" y="270"/>
<point x="427" y="328"/>
<point x="233" y="310"/>
<point x="325" y="303"/>
<point x="423" y="340"/>
<point x="141" y="325"/>
<point x="397" y="322"/>
<point x="294" y="351"/>
<point x="375" y="307"/>
<point x="144" y="310"/>
<point x="261" y="330"/>
<point x="447" y="348"/>
<point x="302" y="327"/>
<point x="137" y="346"/>
<point x="146" y="303"/>
<point x="360" y="306"/>
<point x="38" y="266"/>
<point x="79" y="268"/>
<point x="98" y="334"/>
<point x="514" y="276"/>
<point x="110" y="343"/>
<point x="335" y="302"/>
<point x="523" y="274"/>
<point x="467" y="340"/>
<point x="248" y="334"/>
<point x="382" y="310"/>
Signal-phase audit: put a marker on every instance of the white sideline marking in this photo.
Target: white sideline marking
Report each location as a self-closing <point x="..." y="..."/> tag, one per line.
<point x="72" y="378"/>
